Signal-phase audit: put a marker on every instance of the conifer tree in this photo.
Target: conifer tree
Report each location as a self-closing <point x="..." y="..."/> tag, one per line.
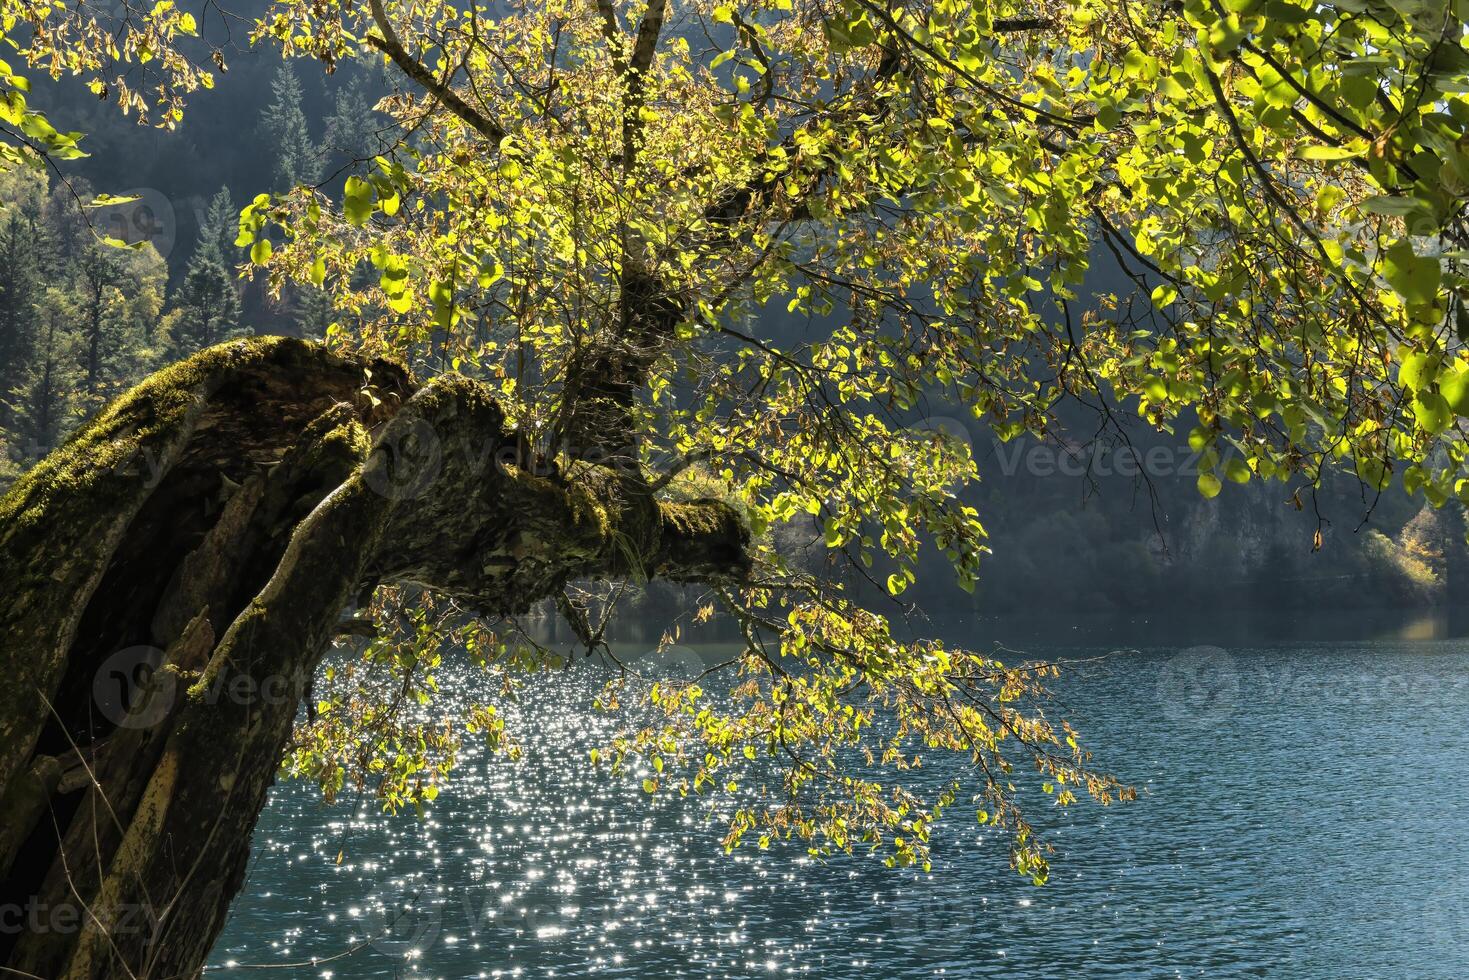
<point x="98" y="276"/>
<point x="24" y="253"/>
<point x="354" y="131"/>
<point x="138" y="309"/>
<point x="19" y="290"/>
<point x="44" y="400"/>
<point x="207" y="306"/>
<point x="217" y="230"/>
<point x="284" y="125"/>
<point x="314" y="312"/>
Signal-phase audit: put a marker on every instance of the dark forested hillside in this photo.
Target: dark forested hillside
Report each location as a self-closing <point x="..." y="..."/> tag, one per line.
<point x="81" y="320"/>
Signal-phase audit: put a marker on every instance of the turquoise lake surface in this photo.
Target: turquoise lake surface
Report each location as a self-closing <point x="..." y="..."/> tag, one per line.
<point x="1302" y="814"/>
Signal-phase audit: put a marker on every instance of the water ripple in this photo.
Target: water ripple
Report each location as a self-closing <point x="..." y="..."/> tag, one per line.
<point x="1303" y="817"/>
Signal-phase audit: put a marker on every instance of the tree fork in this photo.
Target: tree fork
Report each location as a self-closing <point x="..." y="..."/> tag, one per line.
<point x="220" y="518"/>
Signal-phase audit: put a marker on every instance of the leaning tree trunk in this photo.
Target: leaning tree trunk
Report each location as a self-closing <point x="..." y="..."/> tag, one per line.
<point x="214" y="524"/>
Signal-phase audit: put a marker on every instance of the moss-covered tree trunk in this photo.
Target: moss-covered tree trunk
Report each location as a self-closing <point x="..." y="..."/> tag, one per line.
<point x="214" y="525"/>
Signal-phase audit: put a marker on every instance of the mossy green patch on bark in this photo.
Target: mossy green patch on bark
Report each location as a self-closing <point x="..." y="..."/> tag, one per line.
<point x="63" y="523"/>
<point x="227" y="510"/>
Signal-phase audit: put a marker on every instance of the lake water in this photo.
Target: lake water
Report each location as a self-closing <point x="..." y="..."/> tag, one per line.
<point x="1304" y="815"/>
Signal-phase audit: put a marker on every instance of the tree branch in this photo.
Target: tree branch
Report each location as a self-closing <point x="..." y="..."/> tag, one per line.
<point x="389" y="45"/>
<point x="648" y="32"/>
<point x="636" y="76"/>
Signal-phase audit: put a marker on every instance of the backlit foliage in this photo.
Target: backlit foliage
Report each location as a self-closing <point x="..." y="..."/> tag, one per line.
<point x="928" y="186"/>
<point x="370" y="729"/>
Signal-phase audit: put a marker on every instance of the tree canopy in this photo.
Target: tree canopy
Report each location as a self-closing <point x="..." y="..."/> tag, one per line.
<point x="600" y="207"/>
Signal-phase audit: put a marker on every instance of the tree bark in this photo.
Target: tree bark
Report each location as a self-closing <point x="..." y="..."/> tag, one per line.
<point x="213" y="525"/>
